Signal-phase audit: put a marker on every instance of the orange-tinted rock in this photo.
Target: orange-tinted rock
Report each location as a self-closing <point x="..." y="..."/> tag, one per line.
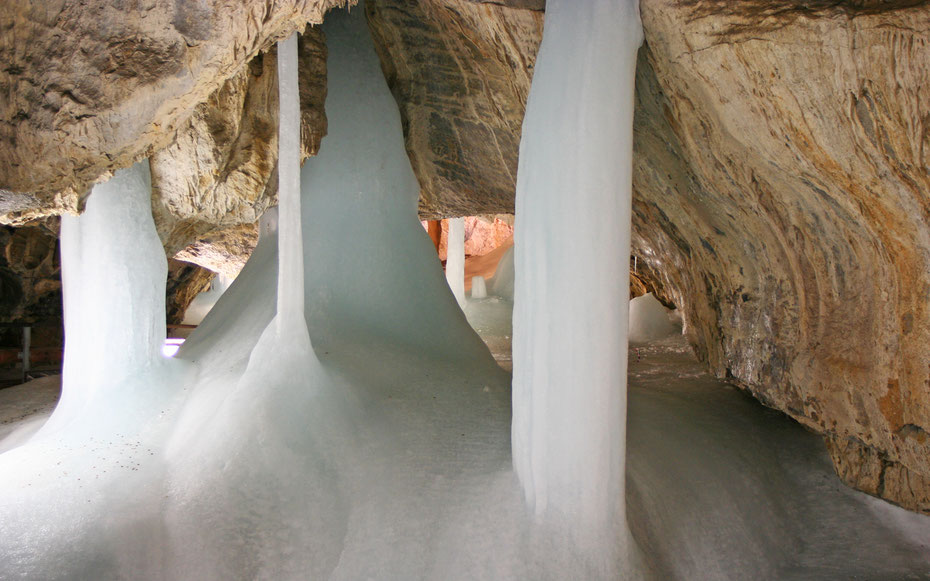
<point x="483" y="234"/>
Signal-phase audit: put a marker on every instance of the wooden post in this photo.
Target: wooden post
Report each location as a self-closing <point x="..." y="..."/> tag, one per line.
<point x="27" y="340"/>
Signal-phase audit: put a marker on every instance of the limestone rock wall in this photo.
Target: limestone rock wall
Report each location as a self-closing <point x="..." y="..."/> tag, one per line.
<point x="460" y="72"/>
<point x="92" y="85"/>
<point x="781" y="191"/>
<point x="185" y="282"/>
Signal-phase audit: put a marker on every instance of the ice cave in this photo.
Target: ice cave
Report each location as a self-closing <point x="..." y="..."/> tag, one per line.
<point x="465" y="289"/>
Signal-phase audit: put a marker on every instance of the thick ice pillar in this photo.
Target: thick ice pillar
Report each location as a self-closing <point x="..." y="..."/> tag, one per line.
<point x="570" y="307"/>
<point x="373" y="273"/>
<point x="455" y="259"/>
<point x="113" y="277"/>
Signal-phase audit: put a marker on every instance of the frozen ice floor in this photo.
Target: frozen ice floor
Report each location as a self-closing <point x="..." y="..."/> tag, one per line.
<point x="490" y="318"/>
<point x="721" y="487"/>
<point x="24" y="408"/>
<point x="718" y="486"/>
<point x="718" y="483"/>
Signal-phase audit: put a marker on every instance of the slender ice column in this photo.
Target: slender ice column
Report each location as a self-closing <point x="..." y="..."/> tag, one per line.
<point x="570" y="307"/>
<point x="455" y="259"/>
<point x="290" y="247"/>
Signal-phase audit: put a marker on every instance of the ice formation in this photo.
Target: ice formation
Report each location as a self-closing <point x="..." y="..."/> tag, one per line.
<point x="382" y="450"/>
<point x="502" y="281"/>
<point x="479" y="289"/>
<point x="649" y="320"/>
<point x="455" y="259"/>
<point x="570" y="312"/>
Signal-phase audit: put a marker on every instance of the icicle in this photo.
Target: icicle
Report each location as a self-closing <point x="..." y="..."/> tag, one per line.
<point x="455" y="259"/>
<point x="570" y="308"/>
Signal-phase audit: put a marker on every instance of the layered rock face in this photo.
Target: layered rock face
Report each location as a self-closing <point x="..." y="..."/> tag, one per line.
<point x="782" y="179"/>
<point x="460" y="72"/>
<point x="30" y="275"/>
<point x="89" y="87"/>
<point x="185" y="282"/>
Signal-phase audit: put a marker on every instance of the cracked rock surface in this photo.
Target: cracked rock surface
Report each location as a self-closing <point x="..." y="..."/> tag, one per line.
<point x="91" y="86"/>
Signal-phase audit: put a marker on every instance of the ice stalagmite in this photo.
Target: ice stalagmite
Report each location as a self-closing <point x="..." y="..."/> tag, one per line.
<point x="570" y="307"/>
<point x="455" y="261"/>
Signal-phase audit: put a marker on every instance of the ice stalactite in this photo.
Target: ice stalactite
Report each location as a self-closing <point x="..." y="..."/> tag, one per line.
<point x="455" y="259"/>
<point x="95" y="457"/>
<point x="282" y="468"/>
<point x="287" y="337"/>
<point x="650" y="320"/>
<point x="570" y="308"/>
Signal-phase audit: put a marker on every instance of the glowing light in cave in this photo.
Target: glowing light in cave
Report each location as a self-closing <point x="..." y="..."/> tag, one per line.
<point x="171" y="346"/>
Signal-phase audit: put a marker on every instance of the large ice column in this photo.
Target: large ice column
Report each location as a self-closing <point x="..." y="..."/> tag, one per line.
<point x="570" y="308"/>
<point x="375" y="275"/>
<point x="113" y="277"/>
<point x="455" y="261"/>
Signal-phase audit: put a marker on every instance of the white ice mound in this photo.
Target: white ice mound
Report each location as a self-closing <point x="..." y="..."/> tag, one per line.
<point x="649" y="320"/>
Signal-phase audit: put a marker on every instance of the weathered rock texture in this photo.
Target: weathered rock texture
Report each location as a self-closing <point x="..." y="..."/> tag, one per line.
<point x="185" y="282"/>
<point x="30" y="276"/>
<point x="223" y="251"/>
<point x="781" y="190"/>
<point x="460" y="72"/>
<point x="93" y="85"/>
